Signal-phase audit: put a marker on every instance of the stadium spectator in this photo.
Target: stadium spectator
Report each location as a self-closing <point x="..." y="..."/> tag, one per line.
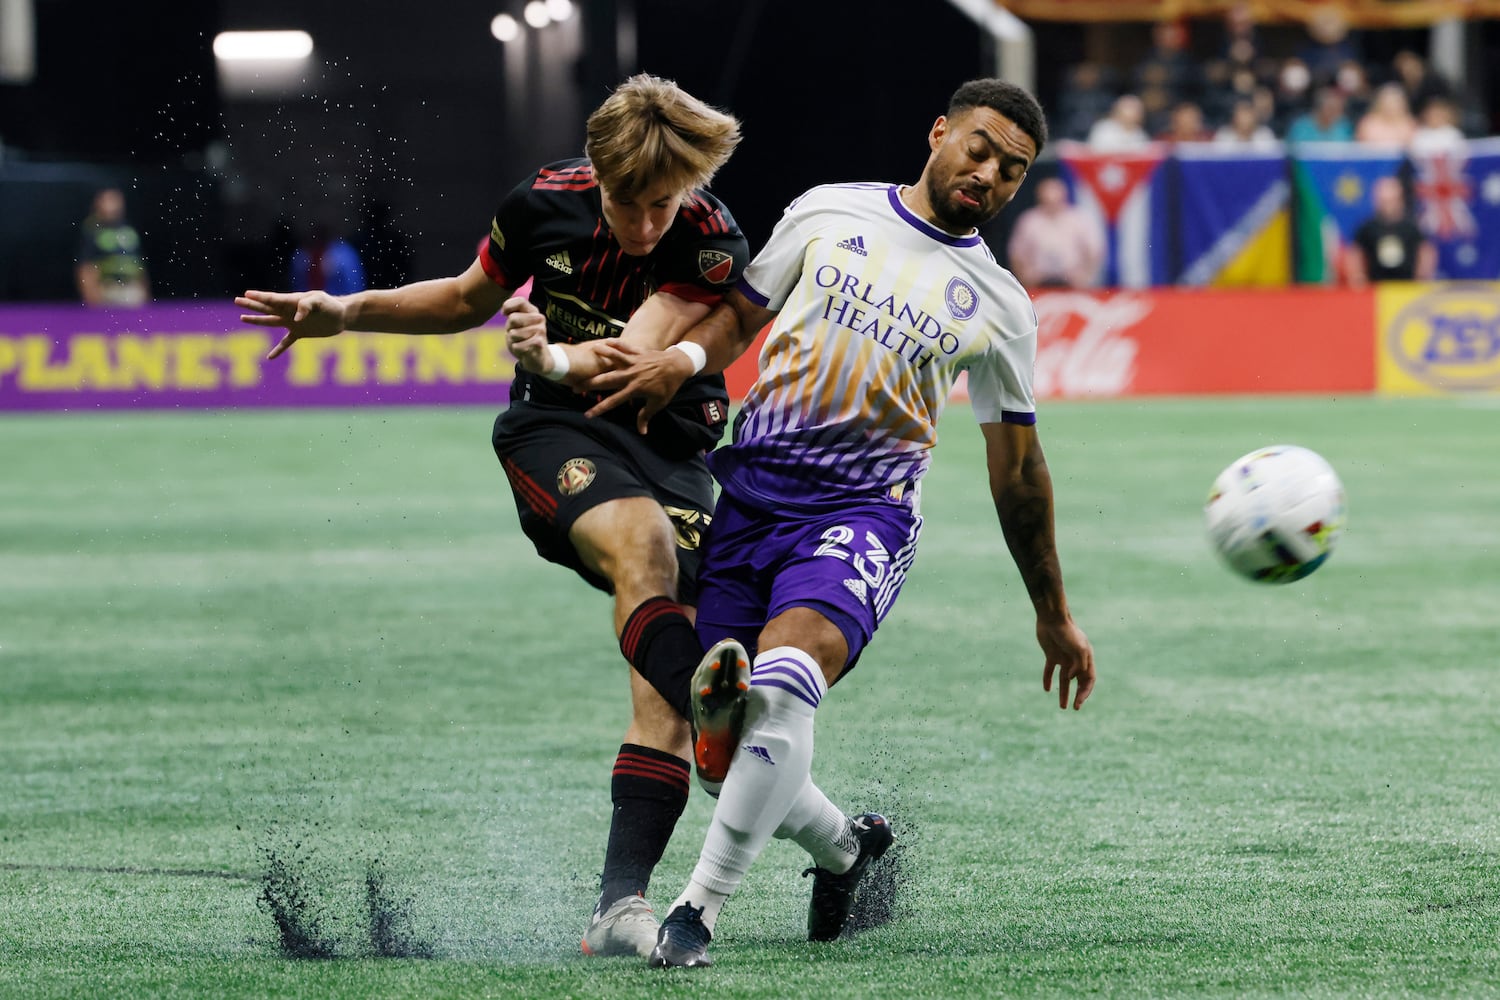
<point x="1326" y="122"/>
<point x="1420" y="82"/>
<point x="1157" y="103"/>
<point x="1292" y="93"/>
<point x="1242" y="84"/>
<point x="1169" y="64"/>
<point x="1329" y="44"/>
<point x="1241" y="43"/>
<point x="1389" y="121"/>
<point x="1186" y="124"/>
<point x="622" y="245"/>
<point x="1388" y="246"/>
<point x="1054" y="244"/>
<point x="1267" y="110"/>
<point x="1123" y="129"/>
<point x="1085" y="98"/>
<point x="110" y="269"/>
<point x="327" y="261"/>
<point x="817" y="518"/>
<point x="1245" y="130"/>
<point x="1354" y="83"/>
<point x="1437" y="129"/>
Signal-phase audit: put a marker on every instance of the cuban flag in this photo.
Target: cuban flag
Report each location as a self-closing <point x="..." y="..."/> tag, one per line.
<point x="1119" y="190"/>
<point x="1457" y="203"/>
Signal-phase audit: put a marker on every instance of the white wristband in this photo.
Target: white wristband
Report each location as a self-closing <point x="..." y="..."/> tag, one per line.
<point x="559" y="370"/>
<point x="695" y="352"/>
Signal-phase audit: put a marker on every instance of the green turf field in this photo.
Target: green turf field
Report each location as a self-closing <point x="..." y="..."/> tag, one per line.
<point x="314" y="648"/>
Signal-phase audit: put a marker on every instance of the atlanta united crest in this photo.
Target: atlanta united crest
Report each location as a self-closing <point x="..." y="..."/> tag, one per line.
<point x="962" y="300"/>
<point x="575" y="476"/>
<point x="715" y="265"/>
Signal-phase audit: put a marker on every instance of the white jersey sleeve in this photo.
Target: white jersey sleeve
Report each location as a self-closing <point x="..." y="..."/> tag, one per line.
<point x="1000" y="379"/>
<point x="774" y="272"/>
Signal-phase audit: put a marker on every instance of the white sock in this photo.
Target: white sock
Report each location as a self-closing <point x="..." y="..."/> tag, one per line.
<point x="821" y="829"/>
<point x="767" y="775"/>
<point x="696" y="895"/>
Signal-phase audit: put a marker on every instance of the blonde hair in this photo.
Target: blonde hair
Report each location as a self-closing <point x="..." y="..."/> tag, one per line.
<point x="651" y="131"/>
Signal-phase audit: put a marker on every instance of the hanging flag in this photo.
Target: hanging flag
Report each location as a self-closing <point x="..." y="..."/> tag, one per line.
<point x="1457" y="203"/>
<point x="1234" y="217"/>
<point x="1332" y="181"/>
<point x="1118" y="189"/>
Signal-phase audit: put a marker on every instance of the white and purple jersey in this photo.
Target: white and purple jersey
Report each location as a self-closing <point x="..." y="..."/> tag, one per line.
<point x="878" y="312"/>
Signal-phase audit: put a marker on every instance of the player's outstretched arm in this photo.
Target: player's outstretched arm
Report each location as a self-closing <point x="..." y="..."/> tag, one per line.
<point x="1022" y="490"/>
<point x="655" y="376"/>
<point x="440" y="305"/>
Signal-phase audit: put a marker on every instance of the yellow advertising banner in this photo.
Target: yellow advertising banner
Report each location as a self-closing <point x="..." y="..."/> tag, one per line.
<point x="1436" y="339"/>
<point x="1357" y="13"/>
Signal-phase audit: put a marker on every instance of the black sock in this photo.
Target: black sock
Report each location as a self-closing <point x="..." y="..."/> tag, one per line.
<point x="649" y="789"/>
<point x="660" y="643"/>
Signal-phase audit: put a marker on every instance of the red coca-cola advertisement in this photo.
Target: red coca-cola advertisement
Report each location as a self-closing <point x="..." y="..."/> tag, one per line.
<point x="1188" y="342"/>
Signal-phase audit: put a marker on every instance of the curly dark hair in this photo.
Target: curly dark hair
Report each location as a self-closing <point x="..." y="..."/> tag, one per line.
<point x="1010" y="100"/>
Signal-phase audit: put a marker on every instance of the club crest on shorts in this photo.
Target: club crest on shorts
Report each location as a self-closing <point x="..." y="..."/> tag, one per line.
<point x="961" y="298"/>
<point x="575" y="476"/>
<point x="715" y="265"/>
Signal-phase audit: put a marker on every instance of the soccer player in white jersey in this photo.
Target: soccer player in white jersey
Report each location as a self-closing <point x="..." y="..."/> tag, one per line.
<point x="879" y="296"/>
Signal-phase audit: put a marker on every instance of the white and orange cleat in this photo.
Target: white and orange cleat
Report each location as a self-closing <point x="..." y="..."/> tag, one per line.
<point x="720" y="686"/>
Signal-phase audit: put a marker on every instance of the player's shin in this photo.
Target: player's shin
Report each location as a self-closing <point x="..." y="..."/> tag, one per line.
<point x="649" y="789"/>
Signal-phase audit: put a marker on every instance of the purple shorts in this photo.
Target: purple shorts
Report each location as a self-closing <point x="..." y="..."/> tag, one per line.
<point x="847" y="565"/>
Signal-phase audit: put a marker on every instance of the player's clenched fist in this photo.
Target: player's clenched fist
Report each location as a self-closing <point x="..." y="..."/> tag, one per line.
<point x="304" y="314"/>
<point x="526" y="334"/>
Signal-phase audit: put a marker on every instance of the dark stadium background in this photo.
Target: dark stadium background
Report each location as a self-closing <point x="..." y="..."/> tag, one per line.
<point x="420" y="107"/>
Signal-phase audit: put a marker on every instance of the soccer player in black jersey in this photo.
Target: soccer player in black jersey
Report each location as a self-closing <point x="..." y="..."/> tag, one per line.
<point x="625" y="244"/>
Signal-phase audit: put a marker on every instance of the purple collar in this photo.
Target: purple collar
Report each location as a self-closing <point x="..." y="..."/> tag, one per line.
<point x="927" y="228"/>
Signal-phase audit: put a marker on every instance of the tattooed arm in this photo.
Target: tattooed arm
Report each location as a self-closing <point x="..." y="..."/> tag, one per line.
<point x="1022" y="488"/>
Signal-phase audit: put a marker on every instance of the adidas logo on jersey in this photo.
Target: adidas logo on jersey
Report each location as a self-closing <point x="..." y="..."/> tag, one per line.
<point x="561" y="262"/>
<point x="854" y="244"/>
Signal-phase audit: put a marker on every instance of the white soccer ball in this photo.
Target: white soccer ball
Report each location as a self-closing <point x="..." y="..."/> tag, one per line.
<point x="1275" y="514"/>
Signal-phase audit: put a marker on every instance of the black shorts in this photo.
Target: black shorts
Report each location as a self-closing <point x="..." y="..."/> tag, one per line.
<point x="561" y="464"/>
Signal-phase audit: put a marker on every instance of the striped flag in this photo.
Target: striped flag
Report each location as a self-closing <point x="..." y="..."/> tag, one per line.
<point x="1119" y="189"/>
<point x="1234" y="208"/>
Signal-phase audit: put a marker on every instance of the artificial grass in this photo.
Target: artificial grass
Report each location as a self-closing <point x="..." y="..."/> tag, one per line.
<point x="232" y="640"/>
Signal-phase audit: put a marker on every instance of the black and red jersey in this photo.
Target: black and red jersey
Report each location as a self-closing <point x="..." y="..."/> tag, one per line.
<point x="551" y="229"/>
